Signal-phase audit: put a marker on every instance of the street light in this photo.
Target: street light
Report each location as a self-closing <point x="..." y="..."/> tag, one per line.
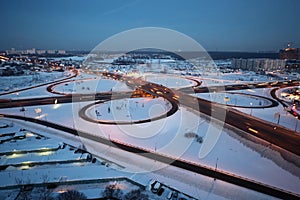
<point x="216" y="167"/>
<point x="296" y="124"/>
<point x="277" y="116"/>
<point x="251" y="108"/>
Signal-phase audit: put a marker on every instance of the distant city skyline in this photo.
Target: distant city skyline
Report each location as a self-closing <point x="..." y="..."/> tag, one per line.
<point x="230" y="25"/>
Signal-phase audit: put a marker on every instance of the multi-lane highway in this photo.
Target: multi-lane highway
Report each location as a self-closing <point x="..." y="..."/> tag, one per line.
<point x="276" y="135"/>
<point x="177" y="162"/>
<point x="273" y="134"/>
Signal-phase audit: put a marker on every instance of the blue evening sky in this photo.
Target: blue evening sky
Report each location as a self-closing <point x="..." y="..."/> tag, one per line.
<point x="230" y="25"/>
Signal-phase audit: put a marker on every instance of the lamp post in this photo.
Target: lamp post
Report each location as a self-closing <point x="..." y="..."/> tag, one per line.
<point x="296" y="123"/>
<point x="278" y="117"/>
<point x="251" y="108"/>
<point x="216" y="167"/>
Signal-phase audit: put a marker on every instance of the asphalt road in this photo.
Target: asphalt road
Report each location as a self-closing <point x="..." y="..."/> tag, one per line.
<point x="245" y="86"/>
<point x="276" y="135"/>
<point x="177" y="162"/>
<point x="279" y="136"/>
<point x="10" y="103"/>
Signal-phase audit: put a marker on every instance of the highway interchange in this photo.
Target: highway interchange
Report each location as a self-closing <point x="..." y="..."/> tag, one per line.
<point x="276" y="135"/>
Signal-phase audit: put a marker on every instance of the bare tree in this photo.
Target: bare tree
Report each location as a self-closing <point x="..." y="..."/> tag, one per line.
<point x="112" y="192"/>
<point x="71" y="195"/>
<point x="45" y="192"/>
<point x="25" y="189"/>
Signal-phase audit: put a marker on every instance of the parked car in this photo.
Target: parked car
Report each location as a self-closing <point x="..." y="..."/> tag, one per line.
<point x="170" y="194"/>
<point x="160" y="191"/>
<point x="154" y="188"/>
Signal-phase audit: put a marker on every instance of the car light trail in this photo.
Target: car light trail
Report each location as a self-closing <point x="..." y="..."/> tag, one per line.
<point x="252" y="130"/>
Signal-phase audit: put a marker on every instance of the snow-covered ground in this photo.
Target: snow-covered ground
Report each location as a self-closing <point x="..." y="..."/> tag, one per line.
<point x="9" y="83"/>
<point x="129" y="110"/>
<point x="269" y="114"/>
<point x="218" y="78"/>
<point x="235" y="99"/>
<point x="74" y="58"/>
<point x="101" y="174"/>
<point x="231" y="153"/>
<point x="91" y="86"/>
<point x="169" y="138"/>
<point x="207" y="79"/>
<point x="40" y="91"/>
<point x="247" y="76"/>
<point x="169" y="81"/>
<point x="32" y="93"/>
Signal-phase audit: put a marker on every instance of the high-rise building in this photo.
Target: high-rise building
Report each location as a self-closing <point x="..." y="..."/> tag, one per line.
<point x="30" y="51"/>
<point x="40" y="51"/>
<point x="259" y="64"/>
<point x="61" y="51"/>
<point x="51" y="51"/>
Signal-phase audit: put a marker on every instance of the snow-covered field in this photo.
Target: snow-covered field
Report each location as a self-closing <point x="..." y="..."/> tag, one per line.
<point x="169" y="138"/>
<point x="91" y="86"/>
<point x="269" y="114"/>
<point x="235" y="99"/>
<point x="218" y="78"/>
<point x="9" y="83"/>
<point x="100" y="173"/>
<point x="129" y="110"/>
<point x="169" y="81"/>
<point x="246" y="76"/>
<point x="174" y="136"/>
